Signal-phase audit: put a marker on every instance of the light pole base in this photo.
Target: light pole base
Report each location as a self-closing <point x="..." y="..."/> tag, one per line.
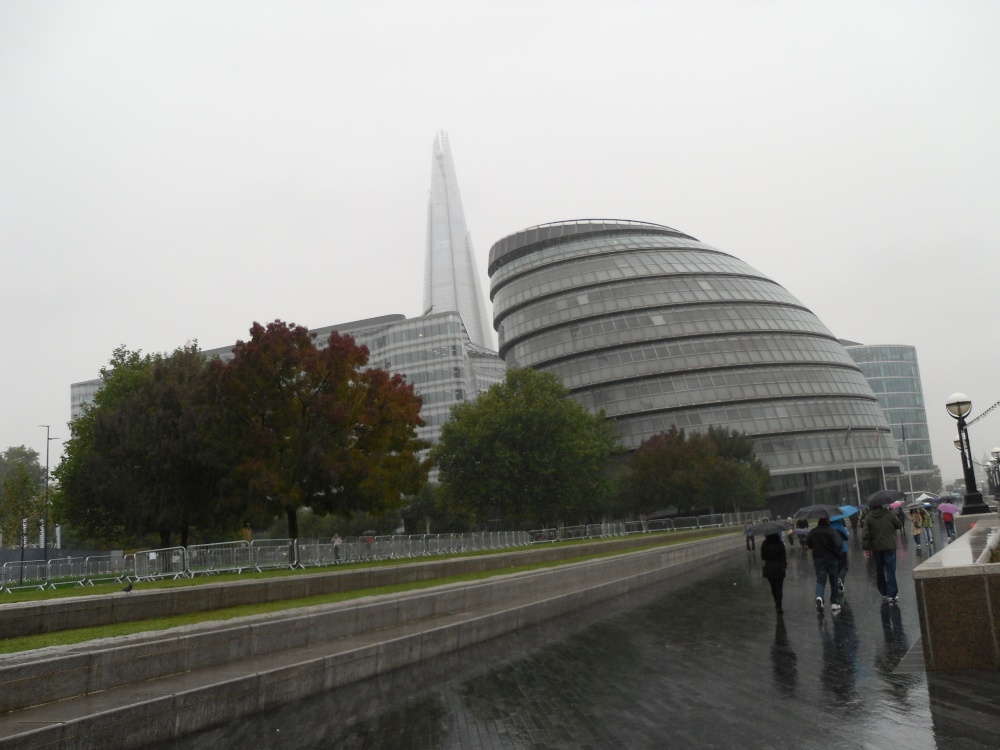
<point x="974" y="504"/>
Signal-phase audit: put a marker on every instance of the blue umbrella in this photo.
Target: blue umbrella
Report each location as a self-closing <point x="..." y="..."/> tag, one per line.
<point x="845" y="511"/>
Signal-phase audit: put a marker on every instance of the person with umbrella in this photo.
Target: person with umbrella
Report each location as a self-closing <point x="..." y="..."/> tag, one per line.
<point x="878" y="539"/>
<point x="948" y="511"/>
<point x="825" y="545"/>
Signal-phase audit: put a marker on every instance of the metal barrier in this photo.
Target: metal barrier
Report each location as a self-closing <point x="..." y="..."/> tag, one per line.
<point x="239" y="556"/>
<point x="223" y="557"/>
<point x="27" y="574"/>
<point x="150" y="564"/>
<point x="67" y="571"/>
<point x="273" y="553"/>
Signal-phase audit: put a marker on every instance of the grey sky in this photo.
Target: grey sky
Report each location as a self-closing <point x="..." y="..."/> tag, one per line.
<point x="174" y="171"/>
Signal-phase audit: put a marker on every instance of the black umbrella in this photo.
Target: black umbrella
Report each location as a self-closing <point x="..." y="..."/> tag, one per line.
<point x="884" y="497"/>
<point x="766" y="528"/>
<point x="818" y="511"/>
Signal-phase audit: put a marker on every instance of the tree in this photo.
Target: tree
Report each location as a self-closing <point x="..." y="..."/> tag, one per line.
<point x="524" y="453"/>
<point x="27" y="457"/>
<point x="312" y="427"/>
<point x="20" y="500"/>
<point x="144" y="456"/>
<point x="716" y="469"/>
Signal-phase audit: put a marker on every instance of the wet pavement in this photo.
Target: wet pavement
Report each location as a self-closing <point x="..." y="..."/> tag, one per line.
<point x="703" y="661"/>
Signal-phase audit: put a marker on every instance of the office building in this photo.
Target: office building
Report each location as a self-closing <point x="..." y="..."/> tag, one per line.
<point x="893" y="373"/>
<point x="659" y="330"/>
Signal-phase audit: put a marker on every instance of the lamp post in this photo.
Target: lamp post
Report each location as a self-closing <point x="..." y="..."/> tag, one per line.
<point x="959" y="407"/>
<point x="45" y="523"/>
<point x="996" y="471"/>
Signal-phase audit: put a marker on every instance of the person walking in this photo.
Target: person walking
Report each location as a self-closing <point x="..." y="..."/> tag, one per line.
<point x="772" y="552"/>
<point x="928" y="524"/>
<point x="916" y="527"/>
<point x="949" y="524"/>
<point x="825" y="545"/>
<point x="751" y="544"/>
<point x="843" y="534"/>
<point x="879" y="540"/>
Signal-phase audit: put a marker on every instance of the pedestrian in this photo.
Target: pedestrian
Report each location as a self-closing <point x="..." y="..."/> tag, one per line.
<point x="791" y="532"/>
<point x="928" y="524"/>
<point x="801" y="529"/>
<point x="746" y="530"/>
<point x="842" y="532"/>
<point x="336" y="547"/>
<point x="879" y="540"/>
<point x="825" y="545"/>
<point x="772" y="552"/>
<point x="916" y="527"/>
<point x="949" y="524"/>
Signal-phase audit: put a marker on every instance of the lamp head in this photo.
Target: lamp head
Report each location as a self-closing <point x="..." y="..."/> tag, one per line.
<point x="959" y="405"/>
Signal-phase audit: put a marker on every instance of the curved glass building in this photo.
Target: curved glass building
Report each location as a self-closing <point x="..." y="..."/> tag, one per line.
<point x="660" y="330"/>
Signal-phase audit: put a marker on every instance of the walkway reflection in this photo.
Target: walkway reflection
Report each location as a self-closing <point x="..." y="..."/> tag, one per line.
<point x="840" y="657"/>
<point x="784" y="667"/>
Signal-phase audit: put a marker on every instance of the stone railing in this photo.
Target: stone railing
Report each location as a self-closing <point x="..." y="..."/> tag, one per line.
<point x="958" y="597"/>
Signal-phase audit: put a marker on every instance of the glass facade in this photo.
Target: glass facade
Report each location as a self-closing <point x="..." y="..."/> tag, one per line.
<point x="894" y="376"/>
<point x="659" y="330"/>
<point x="432" y="352"/>
<point x="451" y="278"/>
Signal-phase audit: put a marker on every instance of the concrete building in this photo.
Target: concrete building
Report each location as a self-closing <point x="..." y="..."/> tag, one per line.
<point x="893" y="373"/>
<point x="661" y="330"/>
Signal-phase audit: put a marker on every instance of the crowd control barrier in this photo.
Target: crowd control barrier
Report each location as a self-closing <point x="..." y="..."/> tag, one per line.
<point x="264" y="554"/>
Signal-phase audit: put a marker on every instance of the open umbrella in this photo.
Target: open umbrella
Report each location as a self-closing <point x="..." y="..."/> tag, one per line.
<point x="845" y="512"/>
<point x="896" y="504"/>
<point x="949" y="508"/>
<point x="915" y="505"/>
<point x="766" y="528"/>
<point x="817" y="511"/>
<point x="884" y="497"/>
<point x="923" y="497"/>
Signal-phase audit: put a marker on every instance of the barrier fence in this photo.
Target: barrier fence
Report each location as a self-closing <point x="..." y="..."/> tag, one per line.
<point x="270" y="554"/>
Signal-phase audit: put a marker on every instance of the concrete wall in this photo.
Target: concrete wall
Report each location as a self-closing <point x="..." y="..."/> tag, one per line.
<point x="289" y="655"/>
<point x="958" y="598"/>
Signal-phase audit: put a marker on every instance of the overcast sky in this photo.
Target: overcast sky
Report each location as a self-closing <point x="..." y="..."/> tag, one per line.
<point x="175" y="171"/>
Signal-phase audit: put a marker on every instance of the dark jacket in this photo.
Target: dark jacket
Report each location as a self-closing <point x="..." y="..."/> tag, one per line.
<point x="772" y="552"/>
<point x="880" y="530"/>
<point x="824" y="542"/>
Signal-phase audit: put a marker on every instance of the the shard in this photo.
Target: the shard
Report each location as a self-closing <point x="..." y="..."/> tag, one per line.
<point x="451" y="279"/>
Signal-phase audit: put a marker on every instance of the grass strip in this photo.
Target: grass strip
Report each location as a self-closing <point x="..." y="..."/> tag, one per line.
<point x="80" y="635"/>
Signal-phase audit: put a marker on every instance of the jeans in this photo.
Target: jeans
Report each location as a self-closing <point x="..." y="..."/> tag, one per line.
<point x="826" y="570"/>
<point x="928" y="535"/>
<point x="885" y="572"/>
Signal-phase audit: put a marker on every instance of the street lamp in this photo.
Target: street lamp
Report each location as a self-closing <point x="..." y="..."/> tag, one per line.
<point x="996" y="471"/>
<point x="959" y="407"/>
<point x="45" y="524"/>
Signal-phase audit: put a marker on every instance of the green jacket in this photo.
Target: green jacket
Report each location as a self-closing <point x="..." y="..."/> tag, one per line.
<point x="880" y="530"/>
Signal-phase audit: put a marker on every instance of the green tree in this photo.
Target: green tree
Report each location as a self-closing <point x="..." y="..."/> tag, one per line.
<point x="713" y="470"/>
<point x="20" y="500"/>
<point x="27" y="457"/>
<point x="312" y="427"/>
<point x="525" y="454"/>
<point x="144" y="456"/>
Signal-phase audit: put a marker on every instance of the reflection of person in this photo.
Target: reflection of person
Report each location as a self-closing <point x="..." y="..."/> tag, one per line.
<point x="840" y="657"/>
<point x="783" y="660"/>
<point x="844" y="535"/>
<point x="772" y="552"/>
<point x="746" y="530"/>
<point x="879" y="540"/>
<point x="825" y="545"/>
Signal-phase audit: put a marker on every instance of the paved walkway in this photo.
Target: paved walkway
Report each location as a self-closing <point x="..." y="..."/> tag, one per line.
<point x="703" y="662"/>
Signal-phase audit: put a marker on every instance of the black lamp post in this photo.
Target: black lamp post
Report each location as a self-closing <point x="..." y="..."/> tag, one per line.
<point x="995" y="464"/>
<point x="45" y="523"/>
<point x="959" y="407"/>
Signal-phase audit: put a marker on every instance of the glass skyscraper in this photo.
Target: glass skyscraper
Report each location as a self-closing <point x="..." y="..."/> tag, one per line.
<point x="451" y="278"/>
<point x="894" y="375"/>
<point x="661" y="330"/>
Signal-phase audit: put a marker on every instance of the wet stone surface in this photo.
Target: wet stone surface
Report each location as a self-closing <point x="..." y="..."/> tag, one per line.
<point x="703" y="661"/>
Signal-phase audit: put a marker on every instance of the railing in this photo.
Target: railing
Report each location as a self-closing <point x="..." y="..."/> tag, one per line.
<point x="240" y="556"/>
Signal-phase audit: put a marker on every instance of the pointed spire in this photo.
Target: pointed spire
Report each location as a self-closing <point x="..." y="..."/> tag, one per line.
<point x="451" y="278"/>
